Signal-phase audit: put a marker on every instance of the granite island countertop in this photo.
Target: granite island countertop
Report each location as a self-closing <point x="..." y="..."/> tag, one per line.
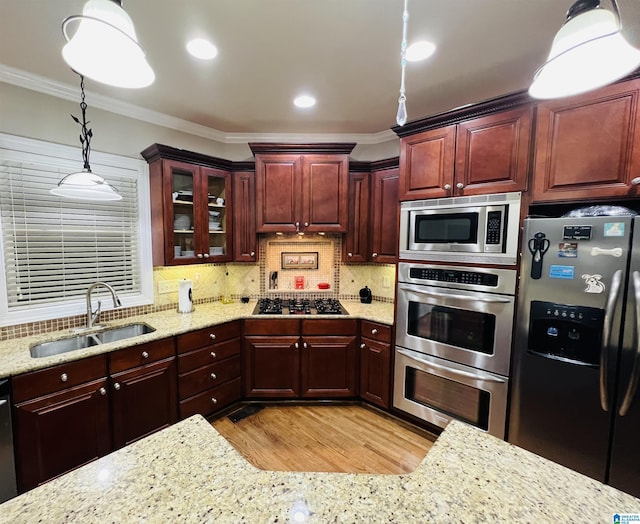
<point x="190" y="473"/>
<point x="15" y="357"/>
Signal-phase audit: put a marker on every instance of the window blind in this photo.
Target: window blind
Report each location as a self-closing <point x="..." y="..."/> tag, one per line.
<point x="55" y="248"/>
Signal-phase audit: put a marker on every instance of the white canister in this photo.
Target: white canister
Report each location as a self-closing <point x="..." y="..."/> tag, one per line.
<point x="185" y="298"/>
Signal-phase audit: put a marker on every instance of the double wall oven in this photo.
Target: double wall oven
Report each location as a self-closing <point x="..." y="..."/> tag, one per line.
<point x="453" y="343"/>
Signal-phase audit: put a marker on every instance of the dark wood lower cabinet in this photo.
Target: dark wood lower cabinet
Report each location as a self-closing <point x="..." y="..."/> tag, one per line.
<point x="143" y="400"/>
<point x="61" y="431"/>
<point x="291" y="358"/>
<point x="375" y="372"/>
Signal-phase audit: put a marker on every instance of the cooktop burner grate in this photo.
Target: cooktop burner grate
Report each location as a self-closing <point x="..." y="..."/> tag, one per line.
<point x="299" y="306"/>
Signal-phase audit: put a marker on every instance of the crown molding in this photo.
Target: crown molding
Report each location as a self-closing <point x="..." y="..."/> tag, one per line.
<point x="33" y="82"/>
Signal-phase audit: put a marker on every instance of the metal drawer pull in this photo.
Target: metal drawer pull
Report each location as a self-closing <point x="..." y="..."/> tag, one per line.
<point x="145" y="354"/>
<point x="102" y="391"/>
<point x="304" y="345"/>
<point x="213" y="355"/>
<point x="116" y="386"/>
<point x="212" y="336"/>
<point x="374" y="331"/>
<point x="214" y="400"/>
<point x="363" y="345"/>
<point x="213" y="376"/>
<point x="296" y="345"/>
<point x="64" y="377"/>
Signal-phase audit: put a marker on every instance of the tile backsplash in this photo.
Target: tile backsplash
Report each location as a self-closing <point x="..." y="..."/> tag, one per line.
<point x="212" y="282"/>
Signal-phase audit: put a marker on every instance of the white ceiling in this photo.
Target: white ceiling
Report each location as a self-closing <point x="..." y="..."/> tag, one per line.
<point x="344" y="52"/>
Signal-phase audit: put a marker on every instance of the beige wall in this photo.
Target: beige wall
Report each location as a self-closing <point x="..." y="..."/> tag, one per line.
<point x="31" y="114"/>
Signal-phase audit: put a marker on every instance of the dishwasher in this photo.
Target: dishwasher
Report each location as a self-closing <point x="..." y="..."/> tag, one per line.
<point x="7" y="464"/>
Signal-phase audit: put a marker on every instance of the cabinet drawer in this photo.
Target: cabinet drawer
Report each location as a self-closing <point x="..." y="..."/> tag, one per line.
<point x="56" y="378"/>
<point x="209" y="376"/>
<point x="206" y="337"/>
<point x="329" y="326"/>
<point x="211" y="400"/>
<point x="380" y="332"/>
<point x="139" y="355"/>
<point x="289" y="326"/>
<point x="208" y="355"/>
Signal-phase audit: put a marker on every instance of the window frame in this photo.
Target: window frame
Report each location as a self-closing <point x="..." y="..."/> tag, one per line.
<point x="21" y="149"/>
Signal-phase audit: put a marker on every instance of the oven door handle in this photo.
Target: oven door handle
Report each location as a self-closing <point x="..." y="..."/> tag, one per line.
<point x="486" y="378"/>
<point x="490" y="300"/>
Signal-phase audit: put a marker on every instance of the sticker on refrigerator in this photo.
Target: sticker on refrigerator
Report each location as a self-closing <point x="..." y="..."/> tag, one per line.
<point x="576" y="233"/>
<point x="568" y="249"/>
<point x="614" y="229"/>
<point x="563" y="272"/>
<point x="594" y="283"/>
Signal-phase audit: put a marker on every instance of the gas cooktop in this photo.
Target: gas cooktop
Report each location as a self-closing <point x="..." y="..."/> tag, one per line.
<point x="299" y="306"/>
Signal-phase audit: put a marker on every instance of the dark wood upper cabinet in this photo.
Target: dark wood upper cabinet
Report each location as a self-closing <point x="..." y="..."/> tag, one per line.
<point x="385" y="209"/>
<point x="487" y="154"/>
<point x="245" y="240"/>
<point x="302" y="188"/>
<point x="355" y="244"/>
<point x="587" y="145"/>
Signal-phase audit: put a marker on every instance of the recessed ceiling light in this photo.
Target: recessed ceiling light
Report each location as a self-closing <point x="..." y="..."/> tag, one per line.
<point x="420" y="51"/>
<point x="304" y="101"/>
<point x="201" y="48"/>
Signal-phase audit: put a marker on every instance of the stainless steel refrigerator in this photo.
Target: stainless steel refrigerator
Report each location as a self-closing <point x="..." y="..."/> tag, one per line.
<point x="574" y="395"/>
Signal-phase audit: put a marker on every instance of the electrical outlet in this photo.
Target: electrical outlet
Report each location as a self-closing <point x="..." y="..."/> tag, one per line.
<point x="167" y="286"/>
<point x="386" y="282"/>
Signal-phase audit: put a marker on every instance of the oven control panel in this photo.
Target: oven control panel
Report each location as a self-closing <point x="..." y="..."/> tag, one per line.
<point x="453" y="275"/>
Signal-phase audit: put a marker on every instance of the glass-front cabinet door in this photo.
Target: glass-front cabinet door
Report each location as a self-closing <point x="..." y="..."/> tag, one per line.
<point x="196" y="214"/>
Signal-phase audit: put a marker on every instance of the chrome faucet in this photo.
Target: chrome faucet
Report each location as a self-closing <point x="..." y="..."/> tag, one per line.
<point x="92" y="316"/>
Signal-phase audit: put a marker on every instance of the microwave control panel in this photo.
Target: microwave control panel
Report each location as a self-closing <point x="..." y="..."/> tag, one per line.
<point x="494" y="227"/>
<point x="452" y="275"/>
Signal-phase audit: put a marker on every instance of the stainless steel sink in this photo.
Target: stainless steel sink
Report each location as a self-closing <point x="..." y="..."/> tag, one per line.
<point x="86" y="340"/>
<point x="123" y="332"/>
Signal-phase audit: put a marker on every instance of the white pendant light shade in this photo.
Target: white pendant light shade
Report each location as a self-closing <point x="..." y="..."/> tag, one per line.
<point x="105" y="47"/>
<point x="588" y="52"/>
<point x="84" y="185"/>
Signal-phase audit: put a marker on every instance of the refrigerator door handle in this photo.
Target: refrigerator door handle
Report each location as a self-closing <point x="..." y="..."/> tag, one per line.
<point x="610" y="310"/>
<point x="635" y="370"/>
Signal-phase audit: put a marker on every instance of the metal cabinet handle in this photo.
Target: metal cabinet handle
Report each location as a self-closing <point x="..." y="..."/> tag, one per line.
<point x="447" y="187"/>
<point x="213" y="355"/>
<point x="297" y="227"/>
<point x="212" y="336"/>
<point x="459" y="185"/>
<point x="253" y="253"/>
<point x="306" y="224"/>
<point x="199" y="255"/>
<point x="206" y="255"/>
<point x="213" y="376"/>
<point x="374" y="331"/>
<point x="609" y="312"/>
<point x="116" y="386"/>
<point x="145" y="354"/>
<point x="214" y="400"/>
<point x="304" y="345"/>
<point x="349" y="254"/>
<point x="64" y="377"/>
<point x="374" y="255"/>
<point x="635" y="181"/>
<point x="296" y="345"/>
<point x="363" y="345"/>
<point x="632" y="387"/>
<point x="102" y="391"/>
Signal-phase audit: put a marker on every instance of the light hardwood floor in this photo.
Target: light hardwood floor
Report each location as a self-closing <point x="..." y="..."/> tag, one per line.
<point x="336" y="438"/>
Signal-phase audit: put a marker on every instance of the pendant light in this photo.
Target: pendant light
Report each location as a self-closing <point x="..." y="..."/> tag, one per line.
<point x="588" y="52"/>
<point x="105" y="47"/>
<point x="85" y="185"/>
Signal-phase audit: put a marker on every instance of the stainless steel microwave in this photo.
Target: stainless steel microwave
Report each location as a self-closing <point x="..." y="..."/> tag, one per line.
<point x="479" y="229"/>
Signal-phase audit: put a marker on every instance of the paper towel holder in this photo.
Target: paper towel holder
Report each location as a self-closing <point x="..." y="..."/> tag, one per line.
<point x="185" y="296"/>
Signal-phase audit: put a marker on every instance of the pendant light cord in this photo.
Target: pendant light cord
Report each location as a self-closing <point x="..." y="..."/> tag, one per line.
<point x="401" y="116"/>
<point x="86" y="134"/>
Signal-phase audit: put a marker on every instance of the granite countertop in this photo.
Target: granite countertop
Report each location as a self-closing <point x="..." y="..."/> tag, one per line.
<point x="190" y="473"/>
<point x="15" y="357"/>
